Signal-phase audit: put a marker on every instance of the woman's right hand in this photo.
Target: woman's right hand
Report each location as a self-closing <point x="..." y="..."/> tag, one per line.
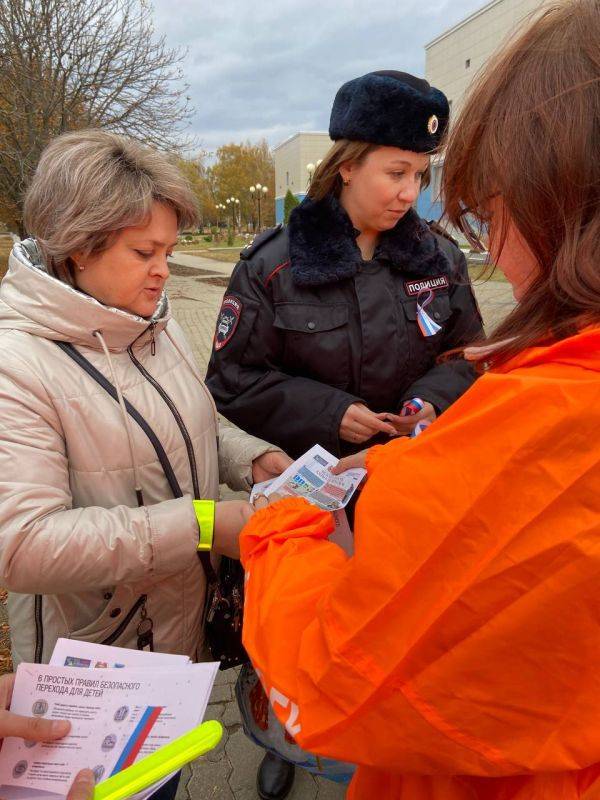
<point x="230" y="518"/>
<point x="358" y="460"/>
<point x="359" y="424"/>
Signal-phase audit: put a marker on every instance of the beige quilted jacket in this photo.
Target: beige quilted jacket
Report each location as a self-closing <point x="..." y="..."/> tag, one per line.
<point x="79" y="557"/>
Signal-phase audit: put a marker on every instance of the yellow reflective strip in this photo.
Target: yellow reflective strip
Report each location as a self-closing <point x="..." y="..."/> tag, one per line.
<point x="205" y="515"/>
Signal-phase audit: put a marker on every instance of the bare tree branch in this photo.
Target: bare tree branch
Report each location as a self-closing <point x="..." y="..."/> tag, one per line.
<point x="67" y="64"/>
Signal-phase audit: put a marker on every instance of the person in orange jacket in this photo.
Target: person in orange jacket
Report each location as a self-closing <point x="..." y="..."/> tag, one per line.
<point x="456" y="655"/>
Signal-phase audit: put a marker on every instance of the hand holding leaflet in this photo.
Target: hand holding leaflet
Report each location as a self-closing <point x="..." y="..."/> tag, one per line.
<point x="310" y="477"/>
<point x="118" y="715"/>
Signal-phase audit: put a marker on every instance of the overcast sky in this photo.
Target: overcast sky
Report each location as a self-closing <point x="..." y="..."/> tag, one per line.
<point x="269" y="69"/>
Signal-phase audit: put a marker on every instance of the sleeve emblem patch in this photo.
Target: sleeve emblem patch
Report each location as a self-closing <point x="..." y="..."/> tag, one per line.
<point x="227" y="321"/>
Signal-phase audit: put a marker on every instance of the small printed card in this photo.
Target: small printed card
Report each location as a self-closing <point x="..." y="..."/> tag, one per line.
<point x="310" y="477"/>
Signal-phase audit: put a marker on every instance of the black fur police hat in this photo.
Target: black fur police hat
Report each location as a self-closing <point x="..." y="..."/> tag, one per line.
<point x="390" y="108"/>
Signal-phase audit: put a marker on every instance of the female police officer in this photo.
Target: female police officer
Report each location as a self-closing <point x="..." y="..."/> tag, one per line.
<point x="337" y="318"/>
<point x="341" y="314"/>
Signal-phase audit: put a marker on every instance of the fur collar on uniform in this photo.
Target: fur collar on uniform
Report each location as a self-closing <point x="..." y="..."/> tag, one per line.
<point x="323" y="245"/>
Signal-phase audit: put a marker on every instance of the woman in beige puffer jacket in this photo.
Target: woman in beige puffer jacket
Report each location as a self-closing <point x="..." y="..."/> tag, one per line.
<point x="80" y="555"/>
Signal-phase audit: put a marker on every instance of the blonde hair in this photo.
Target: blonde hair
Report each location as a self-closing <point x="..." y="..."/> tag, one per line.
<point x="90" y="184"/>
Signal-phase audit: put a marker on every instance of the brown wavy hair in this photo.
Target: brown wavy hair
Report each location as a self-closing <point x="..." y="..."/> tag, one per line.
<point x="530" y="132"/>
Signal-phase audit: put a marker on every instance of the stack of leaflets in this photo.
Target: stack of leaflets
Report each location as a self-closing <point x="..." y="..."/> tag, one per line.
<point x="122" y="705"/>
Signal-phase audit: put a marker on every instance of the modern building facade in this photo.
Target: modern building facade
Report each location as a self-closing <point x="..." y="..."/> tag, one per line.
<point x="292" y="158"/>
<point x="455" y="57"/>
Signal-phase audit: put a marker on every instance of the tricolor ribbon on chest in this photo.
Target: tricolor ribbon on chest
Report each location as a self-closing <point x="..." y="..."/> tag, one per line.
<point x="426" y="325"/>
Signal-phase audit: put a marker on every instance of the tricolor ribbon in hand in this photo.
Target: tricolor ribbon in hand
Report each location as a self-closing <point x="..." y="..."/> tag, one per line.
<point x="427" y="326"/>
<point x="409" y="409"/>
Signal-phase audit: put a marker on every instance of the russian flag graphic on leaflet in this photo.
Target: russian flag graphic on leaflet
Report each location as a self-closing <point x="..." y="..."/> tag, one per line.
<point x="137" y="738"/>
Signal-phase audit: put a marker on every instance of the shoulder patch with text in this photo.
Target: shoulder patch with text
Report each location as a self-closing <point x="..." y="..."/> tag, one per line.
<point x="412" y="288"/>
<point x="227" y="321"/>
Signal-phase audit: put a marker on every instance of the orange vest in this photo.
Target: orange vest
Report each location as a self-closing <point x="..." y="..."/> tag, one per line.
<point x="456" y="656"/>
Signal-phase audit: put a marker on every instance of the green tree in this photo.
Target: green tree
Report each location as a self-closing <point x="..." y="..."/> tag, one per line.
<point x="289" y="204"/>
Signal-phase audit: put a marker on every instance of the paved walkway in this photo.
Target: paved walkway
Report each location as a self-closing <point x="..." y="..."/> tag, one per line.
<point x="229" y="773"/>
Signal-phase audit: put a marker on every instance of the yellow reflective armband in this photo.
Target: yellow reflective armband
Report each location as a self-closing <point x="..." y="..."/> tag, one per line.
<point x="205" y="515"/>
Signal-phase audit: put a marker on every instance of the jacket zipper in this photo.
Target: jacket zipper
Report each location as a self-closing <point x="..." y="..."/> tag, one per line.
<point x="178" y="419"/>
<point x="126" y="620"/>
<point x="39" y="630"/>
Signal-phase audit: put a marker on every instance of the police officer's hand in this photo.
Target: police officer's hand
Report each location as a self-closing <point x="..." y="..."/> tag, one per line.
<point x="35" y="729"/>
<point x="230" y="518"/>
<point x="359" y="424"/>
<point x="403" y="426"/>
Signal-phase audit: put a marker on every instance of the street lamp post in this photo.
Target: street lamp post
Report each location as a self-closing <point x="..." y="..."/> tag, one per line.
<point x="253" y="195"/>
<point x="233" y="202"/>
<point x="258" y="192"/>
<point x="220" y="207"/>
<point x="229" y="237"/>
<point x="311" y="168"/>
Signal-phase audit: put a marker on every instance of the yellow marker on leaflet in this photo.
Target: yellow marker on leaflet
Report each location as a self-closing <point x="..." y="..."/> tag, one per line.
<point x="162" y="762"/>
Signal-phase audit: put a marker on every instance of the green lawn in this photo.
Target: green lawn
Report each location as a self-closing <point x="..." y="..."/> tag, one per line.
<point x="199" y="243"/>
<point x="228" y="256"/>
<point x="477" y="272"/>
<point x="480" y="274"/>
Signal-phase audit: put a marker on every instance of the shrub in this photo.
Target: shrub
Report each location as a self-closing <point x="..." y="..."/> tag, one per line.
<point x="290" y="202"/>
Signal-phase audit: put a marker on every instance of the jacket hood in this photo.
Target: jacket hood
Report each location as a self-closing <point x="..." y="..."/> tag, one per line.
<point x="34" y="301"/>
<point x="581" y="350"/>
<point x="323" y="245"/>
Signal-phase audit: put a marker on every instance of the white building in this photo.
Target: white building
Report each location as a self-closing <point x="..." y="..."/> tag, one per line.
<point x="291" y="160"/>
<point x="454" y="57"/>
<point x="452" y="60"/>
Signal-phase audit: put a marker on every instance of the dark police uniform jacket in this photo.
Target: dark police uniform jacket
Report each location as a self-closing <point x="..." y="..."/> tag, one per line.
<point x="307" y="327"/>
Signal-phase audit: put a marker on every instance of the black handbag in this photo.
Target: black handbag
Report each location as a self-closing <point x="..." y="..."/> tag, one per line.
<point x="224" y="606"/>
<point x="224" y="613"/>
